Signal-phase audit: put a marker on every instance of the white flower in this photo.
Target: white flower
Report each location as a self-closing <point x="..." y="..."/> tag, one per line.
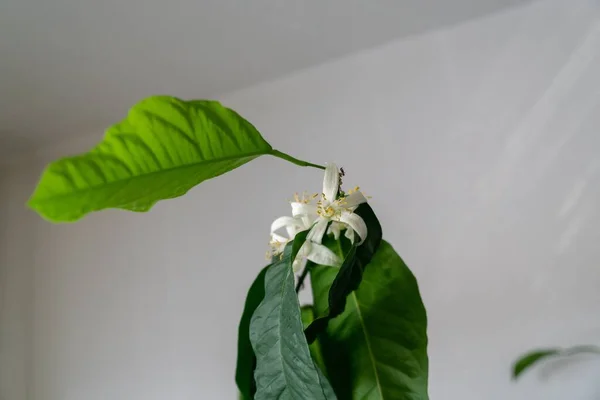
<point x="330" y="210"/>
<point x="314" y="252"/>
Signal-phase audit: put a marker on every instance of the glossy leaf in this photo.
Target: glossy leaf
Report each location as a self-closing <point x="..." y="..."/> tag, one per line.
<point x="377" y="348"/>
<point x="162" y="149"/>
<point x="350" y="273"/>
<point x="246" y="361"/>
<point x="532" y="358"/>
<point x="284" y="367"/>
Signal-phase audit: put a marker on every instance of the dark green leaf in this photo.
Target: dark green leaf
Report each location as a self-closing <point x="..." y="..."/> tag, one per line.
<point x="308" y="316"/>
<point x="246" y="361"/>
<point x="377" y="348"/>
<point x="284" y="367"/>
<point x="532" y="358"/>
<point x="162" y="149"/>
<point x="351" y="272"/>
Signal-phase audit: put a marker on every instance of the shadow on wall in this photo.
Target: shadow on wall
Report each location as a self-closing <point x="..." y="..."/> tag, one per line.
<point x="429" y="16"/>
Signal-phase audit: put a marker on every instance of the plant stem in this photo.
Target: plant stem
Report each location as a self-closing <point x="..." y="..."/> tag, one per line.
<point x="296" y="161"/>
<point x="300" y="283"/>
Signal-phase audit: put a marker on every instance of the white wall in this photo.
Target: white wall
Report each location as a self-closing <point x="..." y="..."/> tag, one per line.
<point x="479" y="145"/>
<point x="17" y="226"/>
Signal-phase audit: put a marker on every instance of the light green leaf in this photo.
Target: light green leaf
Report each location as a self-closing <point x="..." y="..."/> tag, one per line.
<point x="284" y="367"/>
<point x="377" y="348"/>
<point x="532" y="358"/>
<point x="162" y="149"/>
<point x="246" y="361"/>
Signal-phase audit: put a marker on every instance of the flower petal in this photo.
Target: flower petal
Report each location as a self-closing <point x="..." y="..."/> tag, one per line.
<point x="278" y="238"/>
<point x="285" y="222"/>
<point x="355" y="222"/>
<point x="317" y="231"/>
<point x="321" y="255"/>
<point x="335" y="228"/>
<point x="331" y="182"/>
<point x="354" y="199"/>
<point x="298" y="264"/>
<point x="303" y="209"/>
<point x="300" y="260"/>
<point x="350" y="234"/>
<point x="308" y="221"/>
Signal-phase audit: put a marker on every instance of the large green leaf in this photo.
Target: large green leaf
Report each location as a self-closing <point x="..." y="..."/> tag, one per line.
<point x="377" y="348"/>
<point x="284" y="367"/>
<point x="308" y="316"/>
<point x="246" y="361"/>
<point x="351" y="272"/>
<point x="532" y="358"/>
<point x="162" y="149"/>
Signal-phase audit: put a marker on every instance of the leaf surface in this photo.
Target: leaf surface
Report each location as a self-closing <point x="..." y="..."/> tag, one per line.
<point x="377" y="348"/>
<point x="163" y="148"/>
<point x="246" y="361"/>
<point x="350" y="273"/>
<point x="284" y="368"/>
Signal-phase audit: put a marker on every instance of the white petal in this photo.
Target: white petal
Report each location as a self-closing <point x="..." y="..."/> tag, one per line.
<point x="331" y="182"/>
<point x="278" y="238"/>
<point x="321" y="255"/>
<point x="300" y="259"/>
<point x="284" y="222"/>
<point x="298" y="264"/>
<point x="355" y="222"/>
<point x="335" y="228"/>
<point x="354" y="199"/>
<point x="292" y="231"/>
<point x="303" y="209"/>
<point x="317" y="231"/>
<point x="350" y="234"/>
<point x="308" y="221"/>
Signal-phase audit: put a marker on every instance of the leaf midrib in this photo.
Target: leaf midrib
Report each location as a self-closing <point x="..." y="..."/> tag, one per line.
<point x="121" y="181"/>
<point x="368" y="342"/>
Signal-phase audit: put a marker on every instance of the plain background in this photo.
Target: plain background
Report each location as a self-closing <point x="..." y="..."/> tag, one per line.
<point x="480" y="147"/>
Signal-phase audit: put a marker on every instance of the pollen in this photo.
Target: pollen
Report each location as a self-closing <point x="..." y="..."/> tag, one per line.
<point x="305" y="198"/>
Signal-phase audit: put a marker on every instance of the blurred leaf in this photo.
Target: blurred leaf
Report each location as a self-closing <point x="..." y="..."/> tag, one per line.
<point x="532" y="358"/>
<point x="377" y="348"/>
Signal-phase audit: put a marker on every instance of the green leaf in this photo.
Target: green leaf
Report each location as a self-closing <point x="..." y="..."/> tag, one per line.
<point x="308" y="316"/>
<point x="162" y="149"/>
<point x="377" y="348"/>
<point x="246" y="361"/>
<point x="284" y="367"/>
<point x="351" y="272"/>
<point x="532" y="358"/>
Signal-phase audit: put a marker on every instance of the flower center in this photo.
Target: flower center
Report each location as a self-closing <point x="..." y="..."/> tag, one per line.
<point x="331" y="210"/>
<point x="326" y="212"/>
